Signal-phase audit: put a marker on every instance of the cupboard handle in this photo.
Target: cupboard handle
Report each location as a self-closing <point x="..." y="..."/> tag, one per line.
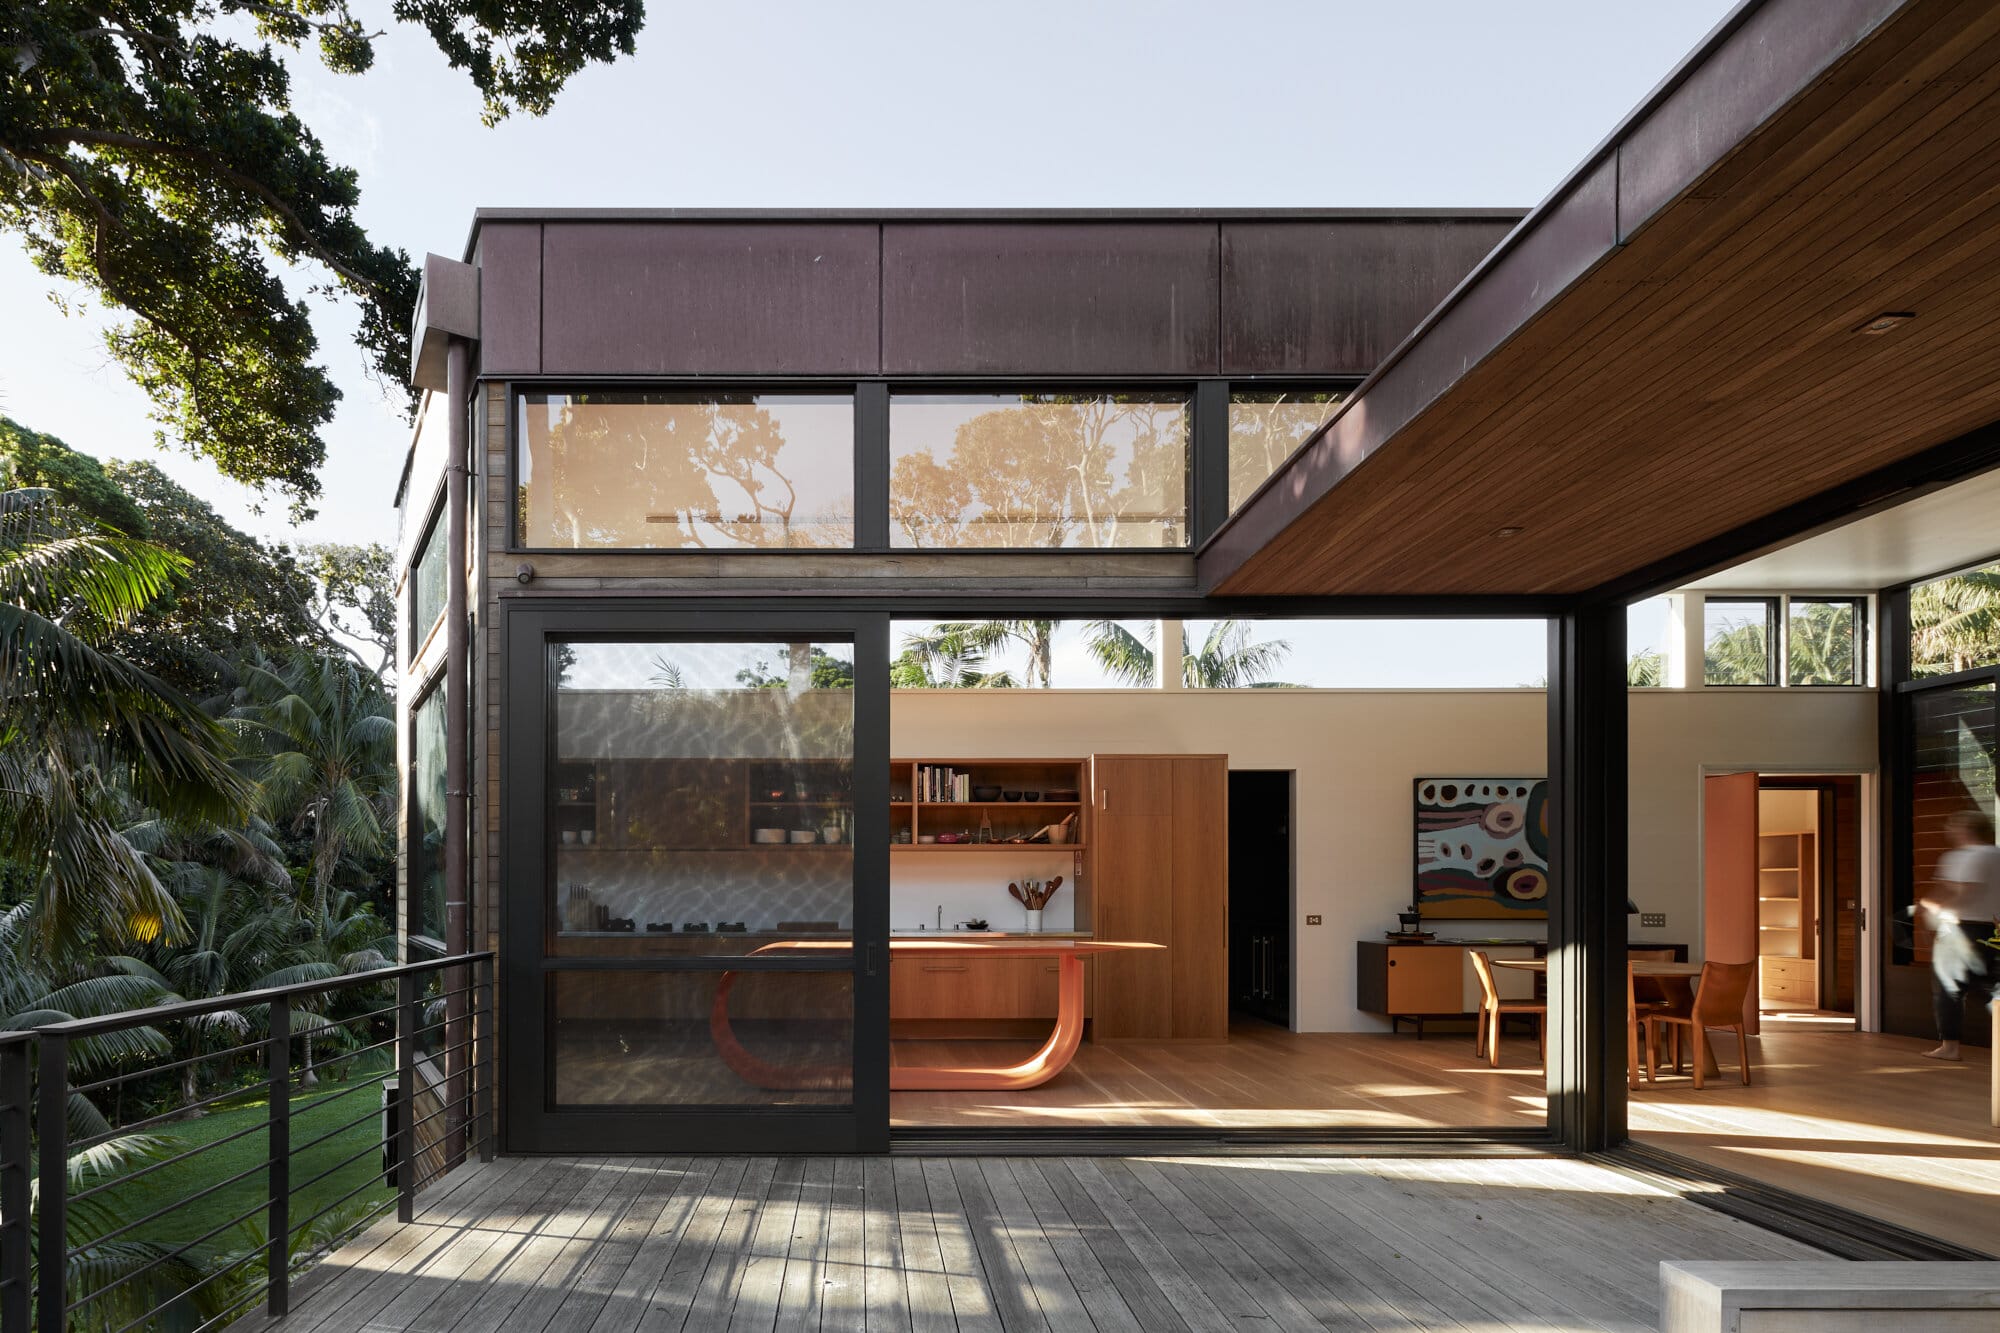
<point x="944" y="967"/>
<point x="1052" y="967"/>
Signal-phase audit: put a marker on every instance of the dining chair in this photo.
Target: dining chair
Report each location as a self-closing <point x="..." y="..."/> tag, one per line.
<point x="1718" y="1004"/>
<point x="1486" y="1040"/>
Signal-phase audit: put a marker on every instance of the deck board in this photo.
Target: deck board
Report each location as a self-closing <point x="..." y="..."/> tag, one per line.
<point x="1152" y="1244"/>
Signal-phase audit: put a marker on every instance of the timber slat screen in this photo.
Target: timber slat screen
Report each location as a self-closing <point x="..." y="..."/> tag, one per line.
<point x="116" y="1238"/>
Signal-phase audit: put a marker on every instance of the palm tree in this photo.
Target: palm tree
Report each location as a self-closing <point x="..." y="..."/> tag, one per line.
<point x="1820" y="644"/>
<point x="1955" y="622"/>
<point x="1738" y="656"/>
<point x="1226" y="659"/>
<point x="952" y="655"/>
<point x="321" y="742"/>
<point x="1646" y="669"/>
<point x="84" y="733"/>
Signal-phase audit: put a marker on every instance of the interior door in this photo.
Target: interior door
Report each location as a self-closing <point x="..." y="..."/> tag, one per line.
<point x="695" y="860"/>
<point x="1729" y="875"/>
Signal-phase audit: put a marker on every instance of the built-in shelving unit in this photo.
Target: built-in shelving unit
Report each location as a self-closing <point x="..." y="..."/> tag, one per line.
<point x="915" y="813"/>
<point x="1787" y="892"/>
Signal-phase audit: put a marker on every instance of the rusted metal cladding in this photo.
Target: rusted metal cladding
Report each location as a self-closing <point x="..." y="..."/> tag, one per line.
<point x="709" y="298"/>
<point x="510" y="298"/>
<point x="1334" y="297"/>
<point x="1049" y="298"/>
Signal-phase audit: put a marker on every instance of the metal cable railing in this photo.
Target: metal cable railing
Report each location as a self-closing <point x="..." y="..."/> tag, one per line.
<point x="55" y="1239"/>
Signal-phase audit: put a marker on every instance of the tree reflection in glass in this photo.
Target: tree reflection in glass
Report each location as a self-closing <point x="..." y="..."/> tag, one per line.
<point x="685" y="470"/>
<point x="1038" y="470"/>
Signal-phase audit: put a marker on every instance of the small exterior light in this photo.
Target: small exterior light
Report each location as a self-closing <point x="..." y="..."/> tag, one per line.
<point x="1887" y="320"/>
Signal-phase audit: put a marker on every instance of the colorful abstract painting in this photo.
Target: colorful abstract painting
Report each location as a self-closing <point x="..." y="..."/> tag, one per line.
<point x="1482" y="847"/>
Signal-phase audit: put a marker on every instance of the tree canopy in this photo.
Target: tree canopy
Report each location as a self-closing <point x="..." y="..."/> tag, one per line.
<point x="232" y="594"/>
<point x="150" y="153"/>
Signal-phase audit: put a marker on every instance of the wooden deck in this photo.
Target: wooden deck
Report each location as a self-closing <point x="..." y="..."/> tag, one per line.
<point x="1022" y="1243"/>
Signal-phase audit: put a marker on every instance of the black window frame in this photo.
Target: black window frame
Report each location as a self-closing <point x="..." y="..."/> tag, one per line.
<point x="866" y="409"/>
<point x="1863" y="643"/>
<point x="1189" y="391"/>
<point x="434" y="530"/>
<point x="1773" y="641"/>
<point x="431" y="688"/>
<point x="1344" y="386"/>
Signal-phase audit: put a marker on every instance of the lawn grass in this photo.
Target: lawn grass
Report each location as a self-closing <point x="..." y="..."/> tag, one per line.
<point x="314" y="1114"/>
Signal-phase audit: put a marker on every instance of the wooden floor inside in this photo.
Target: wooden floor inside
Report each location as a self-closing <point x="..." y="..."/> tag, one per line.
<point x="613" y="1245"/>
<point x="1262" y="1077"/>
<point x="1860" y="1119"/>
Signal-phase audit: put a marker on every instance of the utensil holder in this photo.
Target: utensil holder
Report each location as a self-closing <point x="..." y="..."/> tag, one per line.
<point x="1034" y="920"/>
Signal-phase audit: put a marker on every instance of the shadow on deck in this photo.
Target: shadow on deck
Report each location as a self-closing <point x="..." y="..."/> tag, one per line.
<point x="1149" y="1244"/>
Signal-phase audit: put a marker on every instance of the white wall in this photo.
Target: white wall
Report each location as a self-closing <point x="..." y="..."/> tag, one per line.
<point x="1355" y="754"/>
<point x="1676" y="735"/>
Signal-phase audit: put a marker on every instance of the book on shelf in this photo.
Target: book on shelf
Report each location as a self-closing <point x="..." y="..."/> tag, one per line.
<point x="940" y="785"/>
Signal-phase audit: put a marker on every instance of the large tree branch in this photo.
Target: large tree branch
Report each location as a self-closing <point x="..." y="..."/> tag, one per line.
<point x="76" y="134"/>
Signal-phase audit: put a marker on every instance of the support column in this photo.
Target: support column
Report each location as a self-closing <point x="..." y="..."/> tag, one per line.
<point x="1588" y="755"/>
<point x="456" y="1051"/>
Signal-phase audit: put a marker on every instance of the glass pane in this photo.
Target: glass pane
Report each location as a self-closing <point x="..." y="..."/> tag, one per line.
<point x="426" y="837"/>
<point x="1823" y="644"/>
<point x="702" y="798"/>
<point x="685" y="471"/>
<point x="1955" y="622"/>
<point x="1650" y="627"/>
<point x="1023" y="654"/>
<point x="1266" y="427"/>
<point x="1738" y="643"/>
<point x="630" y="1039"/>
<point x="1364" y="654"/>
<point x="427" y="591"/>
<point x="1952" y="754"/>
<point x="1030" y="471"/>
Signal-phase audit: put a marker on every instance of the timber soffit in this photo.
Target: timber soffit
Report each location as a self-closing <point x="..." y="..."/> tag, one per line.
<point x="1743" y="76"/>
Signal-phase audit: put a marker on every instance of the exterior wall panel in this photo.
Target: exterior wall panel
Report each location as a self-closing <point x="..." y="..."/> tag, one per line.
<point x="1335" y="297"/>
<point x="510" y="298"/>
<point x="1049" y="298"/>
<point x="710" y="298"/>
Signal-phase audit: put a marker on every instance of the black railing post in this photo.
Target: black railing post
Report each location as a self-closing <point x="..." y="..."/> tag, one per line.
<point x="52" y="1130"/>
<point x="14" y="1241"/>
<point x="481" y="1063"/>
<point x="408" y="1023"/>
<point x="278" y="1067"/>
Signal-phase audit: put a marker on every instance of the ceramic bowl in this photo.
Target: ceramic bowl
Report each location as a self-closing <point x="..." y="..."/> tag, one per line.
<point x="927" y="838"/>
<point x="803" y="835"/>
<point x="767" y="836"/>
<point x="1011" y="795"/>
<point x="985" y="793"/>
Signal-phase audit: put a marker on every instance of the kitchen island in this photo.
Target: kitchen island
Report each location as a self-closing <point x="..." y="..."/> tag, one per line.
<point x="1039" y="1068"/>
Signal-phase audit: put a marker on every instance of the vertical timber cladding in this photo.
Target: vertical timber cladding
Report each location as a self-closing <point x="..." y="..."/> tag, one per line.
<point x="491" y="534"/>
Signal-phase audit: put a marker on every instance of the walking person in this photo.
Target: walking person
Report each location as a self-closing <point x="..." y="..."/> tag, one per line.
<point x="1963" y="905"/>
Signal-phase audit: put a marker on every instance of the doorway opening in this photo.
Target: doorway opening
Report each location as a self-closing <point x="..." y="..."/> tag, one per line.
<point x="1809" y="899"/>
<point x="1260" y="894"/>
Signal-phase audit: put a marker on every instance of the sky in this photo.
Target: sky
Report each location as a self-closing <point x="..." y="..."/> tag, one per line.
<point x="1089" y="103"/>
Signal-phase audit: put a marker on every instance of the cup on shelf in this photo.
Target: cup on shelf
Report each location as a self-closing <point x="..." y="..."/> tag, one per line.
<point x="586" y="836"/>
<point x="569" y="837"/>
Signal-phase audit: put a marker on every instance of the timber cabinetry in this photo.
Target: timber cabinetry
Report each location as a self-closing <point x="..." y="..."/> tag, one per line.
<point x="1161" y="863"/>
<point x="1433" y="980"/>
<point x="1787" y="923"/>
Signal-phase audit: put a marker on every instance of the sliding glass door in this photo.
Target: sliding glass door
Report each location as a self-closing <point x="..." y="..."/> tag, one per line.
<point x="696" y="866"/>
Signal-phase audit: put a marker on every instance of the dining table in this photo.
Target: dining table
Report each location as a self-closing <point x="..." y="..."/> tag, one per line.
<point x="1678" y="979"/>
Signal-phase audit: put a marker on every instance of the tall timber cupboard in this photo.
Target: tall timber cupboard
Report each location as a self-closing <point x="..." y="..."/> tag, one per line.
<point x="1161" y="861"/>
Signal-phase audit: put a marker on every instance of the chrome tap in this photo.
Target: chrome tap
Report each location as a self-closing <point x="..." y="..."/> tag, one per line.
<point x="940" y="916"/>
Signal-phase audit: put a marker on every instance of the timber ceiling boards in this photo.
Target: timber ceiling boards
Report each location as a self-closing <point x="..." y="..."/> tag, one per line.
<point x="1619" y="403"/>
